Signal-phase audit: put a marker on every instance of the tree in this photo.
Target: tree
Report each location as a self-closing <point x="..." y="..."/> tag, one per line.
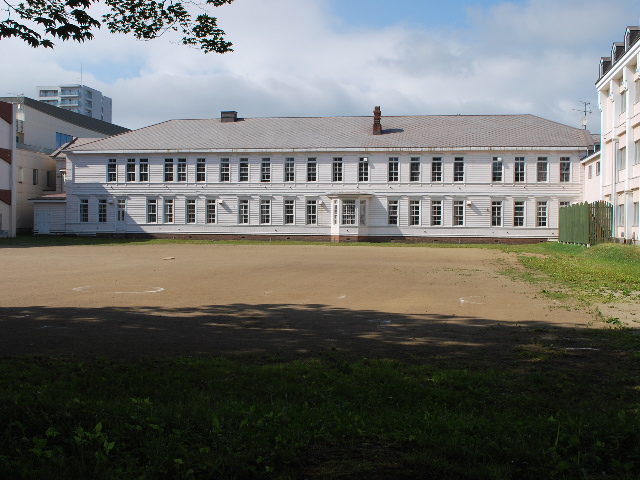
<point x="40" y="21"/>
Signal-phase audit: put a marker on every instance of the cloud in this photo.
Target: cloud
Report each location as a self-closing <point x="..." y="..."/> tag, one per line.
<point x="296" y="58"/>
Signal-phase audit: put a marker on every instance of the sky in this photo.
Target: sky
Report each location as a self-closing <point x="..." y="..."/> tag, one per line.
<point x="344" y="57"/>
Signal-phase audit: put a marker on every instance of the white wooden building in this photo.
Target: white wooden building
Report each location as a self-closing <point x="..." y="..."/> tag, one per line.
<point x="411" y="178"/>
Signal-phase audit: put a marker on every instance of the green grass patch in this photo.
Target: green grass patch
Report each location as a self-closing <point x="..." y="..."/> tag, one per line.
<point x="317" y="418"/>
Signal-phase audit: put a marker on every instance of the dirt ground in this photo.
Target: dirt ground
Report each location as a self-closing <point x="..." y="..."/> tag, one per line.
<point x="126" y="301"/>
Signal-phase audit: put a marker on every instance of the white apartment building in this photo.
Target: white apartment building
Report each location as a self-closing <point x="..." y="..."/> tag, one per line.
<point x="30" y="131"/>
<point x="78" y="99"/>
<point x="448" y="178"/>
<point x="613" y="175"/>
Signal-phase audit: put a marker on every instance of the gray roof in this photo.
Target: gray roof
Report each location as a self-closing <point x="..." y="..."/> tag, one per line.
<point x="346" y="133"/>
<point x="74" y="118"/>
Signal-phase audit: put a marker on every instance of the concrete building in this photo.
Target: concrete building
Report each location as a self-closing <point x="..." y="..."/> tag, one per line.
<point x="614" y="176"/>
<point x="30" y="131"/>
<point x="78" y="99"/>
<point x="416" y="178"/>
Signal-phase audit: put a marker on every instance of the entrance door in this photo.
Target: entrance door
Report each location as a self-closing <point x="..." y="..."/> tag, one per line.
<point x="43" y="223"/>
<point x="121" y="215"/>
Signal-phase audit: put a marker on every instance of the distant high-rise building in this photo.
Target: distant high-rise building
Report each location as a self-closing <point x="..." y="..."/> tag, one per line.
<point x="77" y="98"/>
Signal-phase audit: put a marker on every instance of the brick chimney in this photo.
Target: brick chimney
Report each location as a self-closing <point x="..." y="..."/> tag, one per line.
<point x="377" y="127"/>
<point x="229" y="116"/>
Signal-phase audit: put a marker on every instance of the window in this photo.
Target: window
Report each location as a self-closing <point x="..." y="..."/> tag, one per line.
<point x="496" y="214"/>
<point x="143" y="173"/>
<point x="211" y="210"/>
<point x="518" y="213"/>
<point x="51" y="179"/>
<point x="243" y="211"/>
<point x="590" y="171"/>
<point x="623" y="101"/>
<point x="636" y="214"/>
<point x="363" y="169"/>
<point x="265" y="211"/>
<point x="289" y="170"/>
<point x="122" y="209"/>
<point x="348" y="212"/>
<point x="182" y="169"/>
<point x="201" y="170"/>
<point x="312" y="212"/>
<point x="62" y="138"/>
<point x="312" y="168"/>
<point x="336" y="175"/>
<point x="542" y="167"/>
<point x="636" y="157"/>
<point x="621" y="163"/>
<point x="335" y="212"/>
<point x="458" y="212"/>
<point x="414" y="212"/>
<point x="392" y="211"/>
<point x="637" y="82"/>
<point x="289" y="212"/>
<point x="436" y="212"/>
<point x="152" y="210"/>
<point x="436" y="169"/>
<point x="414" y="169"/>
<point x="565" y="204"/>
<point x="565" y="169"/>
<point x="168" y="210"/>
<point x="496" y="169"/>
<point x="102" y="210"/>
<point x="168" y="169"/>
<point x="243" y="170"/>
<point x="620" y="215"/>
<point x="225" y="170"/>
<point x="265" y="170"/>
<point x="131" y="169"/>
<point x="363" y="212"/>
<point x="35" y="176"/>
<point x="83" y="211"/>
<point x="191" y="210"/>
<point x="458" y="169"/>
<point x="519" y="170"/>
<point x="393" y="169"/>
<point x="112" y="175"/>
<point x="597" y="169"/>
<point x="541" y="214"/>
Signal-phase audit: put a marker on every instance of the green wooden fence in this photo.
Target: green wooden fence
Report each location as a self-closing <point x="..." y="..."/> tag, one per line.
<point x="586" y="224"/>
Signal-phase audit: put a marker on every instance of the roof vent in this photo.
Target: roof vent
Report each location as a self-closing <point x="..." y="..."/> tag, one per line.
<point x="377" y="127"/>
<point x="229" y="116"/>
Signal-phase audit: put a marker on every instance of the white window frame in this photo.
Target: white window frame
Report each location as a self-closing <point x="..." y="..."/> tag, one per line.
<point x="265" y="170"/>
<point x="458" y="213"/>
<point x="265" y="211"/>
<point x="436" y="170"/>
<point x="565" y="169"/>
<point x="289" y="211"/>
<point x="337" y="170"/>
<point x="201" y="170"/>
<point x="312" y="212"/>
<point x="243" y="211"/>
<point x="168" y="170"/>
<point x="289" y="169"/>
<point x="211" y="214"/>
<point x="393" y="210"/>
<point x="363" y="169"/>
<point x="112" y="170"/>
<point x="436" y="213"/>
<point x="152" y="210"/>
<point x="83" y="210"/>
<point x="348" y="212"/>
<point x="517" y="204"/>
<point x="415" y="168"/>
<point x="312" y="169"/>
<point x="225" y="170"/>
<point x="497" y="170"/>
<point x="143" y="170"/>
<point x="393" y="170"/>
<point x="131" y="170"/>
<point x="243" y="170"/>
<point x="415" y="209"/>
<point x="188" y="213"/>
<point x="168" y="210"/>
<point x="542" y="213"/>
<point x="542" y="174"/>
<point x="182" y="170"/>
<point x="458" y="169"/>
<point x="497" y="210"/>
<point x="102" y="210"/>
<point x="520" y="170"/>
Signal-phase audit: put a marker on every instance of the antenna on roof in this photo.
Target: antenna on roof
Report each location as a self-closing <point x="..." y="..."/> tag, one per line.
<point x="586" y="111"/>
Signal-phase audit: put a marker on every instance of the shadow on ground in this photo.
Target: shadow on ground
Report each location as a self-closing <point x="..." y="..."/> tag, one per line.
<point x="284" y="330"/>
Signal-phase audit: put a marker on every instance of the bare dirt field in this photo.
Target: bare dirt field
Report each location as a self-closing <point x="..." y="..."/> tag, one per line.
<point x="126" y="301"/>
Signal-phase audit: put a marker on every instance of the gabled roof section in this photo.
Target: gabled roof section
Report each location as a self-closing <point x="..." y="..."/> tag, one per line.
<point x="344" y="133"/>
<point x="78" y="119"/>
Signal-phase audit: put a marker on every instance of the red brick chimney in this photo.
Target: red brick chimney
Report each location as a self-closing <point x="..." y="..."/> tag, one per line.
<point x="377" y="127"/>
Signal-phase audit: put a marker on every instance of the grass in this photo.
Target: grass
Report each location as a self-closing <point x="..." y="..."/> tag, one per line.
<point x="331" y="417"/>
<point x="542" y="413"/>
